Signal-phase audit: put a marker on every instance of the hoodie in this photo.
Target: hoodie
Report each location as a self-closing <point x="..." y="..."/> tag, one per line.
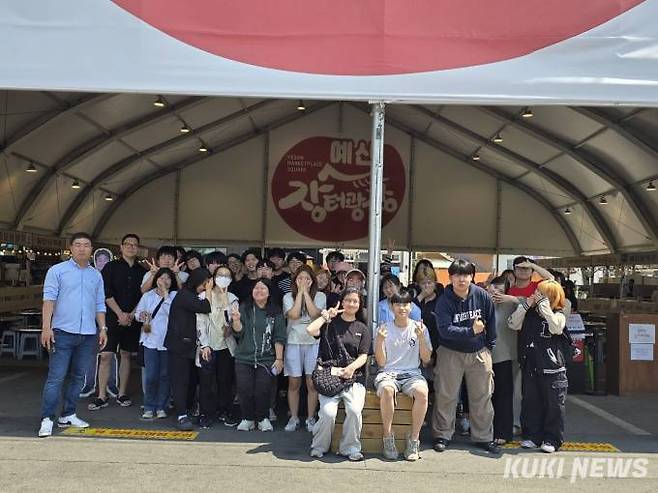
<point x="455" y="317"/>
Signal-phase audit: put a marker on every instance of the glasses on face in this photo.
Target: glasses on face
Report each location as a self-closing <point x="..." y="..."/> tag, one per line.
<point x="131" y="244"/>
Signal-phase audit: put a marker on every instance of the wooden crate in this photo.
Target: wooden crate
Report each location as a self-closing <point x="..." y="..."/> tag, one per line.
<point x="371" y="433"/>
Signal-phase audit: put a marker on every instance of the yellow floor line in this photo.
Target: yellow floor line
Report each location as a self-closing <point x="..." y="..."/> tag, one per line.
<point x="576" y="446"/>
<point x="131" y="433"/>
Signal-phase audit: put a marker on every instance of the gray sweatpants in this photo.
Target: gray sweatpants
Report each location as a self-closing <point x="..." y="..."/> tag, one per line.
<point x="451" y="367"/>
<point x="354" y="399"/>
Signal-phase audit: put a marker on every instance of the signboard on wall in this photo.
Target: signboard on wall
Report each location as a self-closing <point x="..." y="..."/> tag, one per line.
<point x="321" y="188"/>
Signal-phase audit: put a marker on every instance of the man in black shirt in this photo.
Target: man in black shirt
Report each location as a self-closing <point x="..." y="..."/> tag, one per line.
<point x="242" y="288"/>
<point x="279" y="276"/>
<point x="122" y="278"/>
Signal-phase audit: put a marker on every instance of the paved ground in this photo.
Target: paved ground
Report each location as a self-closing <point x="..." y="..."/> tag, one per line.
<point x="224" y="458"/>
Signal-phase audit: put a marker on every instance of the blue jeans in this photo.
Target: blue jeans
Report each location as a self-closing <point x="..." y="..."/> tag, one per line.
<point x="156" y="376"/>
<point x="71" y="357"/>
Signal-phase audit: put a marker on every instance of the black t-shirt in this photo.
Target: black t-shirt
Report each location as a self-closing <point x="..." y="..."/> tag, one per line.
<point x="355" y="336"/>
<point x="283" y="282"/>
<point x="123" y="283"/>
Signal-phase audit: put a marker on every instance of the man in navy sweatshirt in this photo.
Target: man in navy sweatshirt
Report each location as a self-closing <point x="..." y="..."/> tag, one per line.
<point x="467" y="333"/>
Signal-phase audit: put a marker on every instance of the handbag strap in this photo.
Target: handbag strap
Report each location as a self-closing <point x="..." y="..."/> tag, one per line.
<point x="157" y="308"/>
<point x="341" y="346"/>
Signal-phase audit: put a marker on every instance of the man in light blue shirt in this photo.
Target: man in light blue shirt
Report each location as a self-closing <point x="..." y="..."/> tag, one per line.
<point x="73" y="303"/>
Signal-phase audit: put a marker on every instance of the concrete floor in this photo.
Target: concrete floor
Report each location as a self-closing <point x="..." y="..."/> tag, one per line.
<point x="224" y="458"/>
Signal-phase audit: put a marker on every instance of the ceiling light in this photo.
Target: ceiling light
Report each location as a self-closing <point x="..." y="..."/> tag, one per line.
<point x="31" y="168"/>
<point x="75" y="184"/>
<point x="185" y="129"/>
<point x="527" y="113"/>
<point x="109" y="197"/>
<point x="603" y="200"/>
<point x="300" y="105"/>
<point x="476" y="156"/>
<point x="159" y="103"/>
<point x="498" y="139"/>
<point x="567" y="211"/>
<point x="651" y="187"/>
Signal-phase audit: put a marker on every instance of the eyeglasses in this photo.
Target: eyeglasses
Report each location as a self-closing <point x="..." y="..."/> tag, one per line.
<point x="131" y="245"/>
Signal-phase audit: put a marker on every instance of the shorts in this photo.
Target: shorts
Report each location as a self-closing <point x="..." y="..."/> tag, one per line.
<point x="400" y="382"/>
<point x="120" y="338"/>
<point x="300" y="359"/>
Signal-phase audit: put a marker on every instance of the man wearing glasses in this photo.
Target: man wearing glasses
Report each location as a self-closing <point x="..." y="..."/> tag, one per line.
<point x="122" y="279"/>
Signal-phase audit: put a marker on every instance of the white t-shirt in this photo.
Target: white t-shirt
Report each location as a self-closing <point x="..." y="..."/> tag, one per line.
<point x="148" y="303"/>
<point x="182" y="275"/>
<point x="402" y="348"/>
<point x="297" y="328"/>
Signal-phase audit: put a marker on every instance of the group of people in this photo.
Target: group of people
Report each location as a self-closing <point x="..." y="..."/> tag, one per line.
<point x="213" y="330"/>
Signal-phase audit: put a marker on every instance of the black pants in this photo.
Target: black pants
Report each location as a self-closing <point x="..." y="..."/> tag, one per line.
<point x="254" y="390"/>
<point x="543" y="407"/>
<point x="216" y="383"/>
<point x="503" y="400"/>
<point x="180" y="372"/>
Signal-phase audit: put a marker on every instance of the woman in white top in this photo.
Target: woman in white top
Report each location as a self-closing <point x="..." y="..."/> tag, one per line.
<point x="301" y="306"/>
<point x="153" y="312"/>
<point x="216" y="346"/>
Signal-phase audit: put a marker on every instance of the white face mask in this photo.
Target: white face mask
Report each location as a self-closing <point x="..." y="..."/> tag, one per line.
<point x="223" y="282"/>
<point x="202" y="295"/>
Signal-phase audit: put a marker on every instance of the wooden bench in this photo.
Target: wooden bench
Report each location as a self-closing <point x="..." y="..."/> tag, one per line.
<point x="372" y="433"/>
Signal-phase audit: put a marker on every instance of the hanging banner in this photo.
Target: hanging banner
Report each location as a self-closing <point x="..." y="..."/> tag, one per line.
<point x="321" y="188"/>
<point x="590" y="51"/>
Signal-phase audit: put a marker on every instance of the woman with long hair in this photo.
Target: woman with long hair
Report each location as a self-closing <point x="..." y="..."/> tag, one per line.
<point x="543" y="348"/>
<point x="301" y="306"/>
<point x="261" y="334"/>
<point x="181" y="340"/>
<point x="215" y="355"/>
<point x="340" y="328"/>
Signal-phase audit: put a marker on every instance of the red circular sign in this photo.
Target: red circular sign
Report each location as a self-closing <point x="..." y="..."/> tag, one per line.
<point x="321" y="188"/>
<point x="373" y="37"/>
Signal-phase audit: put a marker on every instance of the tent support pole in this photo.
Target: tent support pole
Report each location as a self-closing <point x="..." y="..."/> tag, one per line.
<point x="410" y="206"/>
<point x="499" y="212"/>
<point x="375" y="211"/>
<point x="176" y="206"/>
<point x="266" y="159"/>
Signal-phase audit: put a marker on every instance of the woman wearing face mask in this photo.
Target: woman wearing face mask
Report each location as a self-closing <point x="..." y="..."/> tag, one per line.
<point x="181" y="339"/>
<point x="301" y="307"/>
<point x="215" y="354"/>
<point x="261" y="333"/>
<point x="153" y="311"/>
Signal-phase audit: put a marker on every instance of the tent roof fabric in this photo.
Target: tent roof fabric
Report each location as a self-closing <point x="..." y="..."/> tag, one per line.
<point x="116" y="144"/>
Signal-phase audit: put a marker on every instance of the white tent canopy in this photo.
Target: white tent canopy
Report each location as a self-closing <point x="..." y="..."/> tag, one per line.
<point x="469" y="167"/>
<point x="124" y="147"/>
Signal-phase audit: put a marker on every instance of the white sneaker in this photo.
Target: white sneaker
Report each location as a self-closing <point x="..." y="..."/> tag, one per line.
<point x="547" y="447"/>
<point x="246" y="425"/>
<point x="528" y="444"/>
<point x="161" y="414"/>
<point x="72" y="420"/>
<point x="148" y="415"/>
<point x="316" y="453"/>
<point x="293" y="424"/>
<point x="272" y="415"/>
<point x="46" y="428"/>
<point x="310" y="423"/>
<point x="265" y="425"/>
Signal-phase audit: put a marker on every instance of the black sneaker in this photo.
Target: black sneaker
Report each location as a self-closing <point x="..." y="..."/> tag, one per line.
<point x="184" y="424"/>
<point x="205" y="421"/>
<point x="97" y="404"/>
<point x="231" y="420"/>
<point x="124" y="400"/>
<point x="440" y="444"/>
<point x="491" y="447"/>
<point x="221" y="416"/>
